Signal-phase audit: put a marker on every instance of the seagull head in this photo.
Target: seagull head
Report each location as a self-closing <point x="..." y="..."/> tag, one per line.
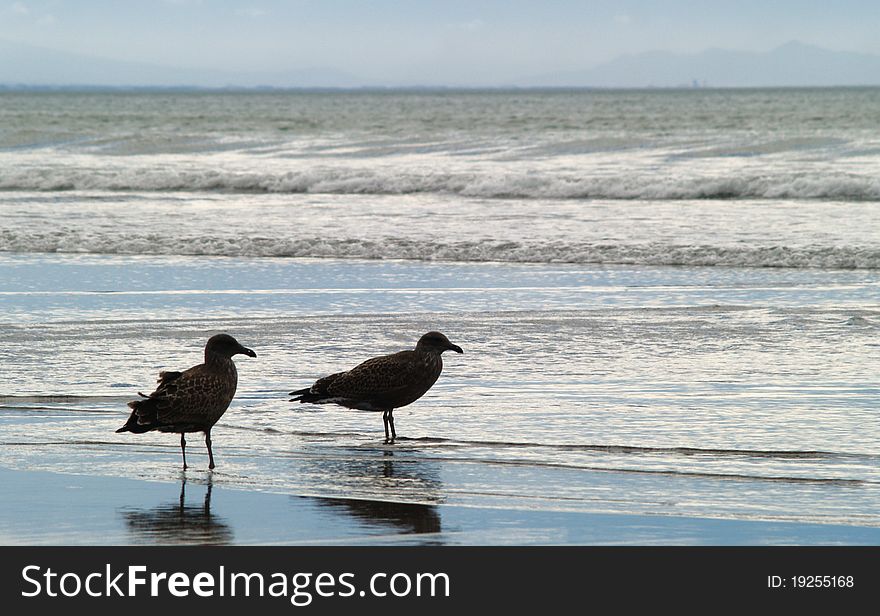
<point x="435" y="342"/>
<point x="225" y="345"/>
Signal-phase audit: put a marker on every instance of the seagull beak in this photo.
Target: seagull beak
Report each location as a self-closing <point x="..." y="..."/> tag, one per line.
<point x="248" y="352"/>
<point x="456" y="348"/>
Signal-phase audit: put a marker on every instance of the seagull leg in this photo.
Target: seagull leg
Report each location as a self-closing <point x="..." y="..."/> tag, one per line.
<point x="385" y="422"/>
<point x="391" y="421"/>
<point x="210" y="452"/>
<point x="183" y="449"/>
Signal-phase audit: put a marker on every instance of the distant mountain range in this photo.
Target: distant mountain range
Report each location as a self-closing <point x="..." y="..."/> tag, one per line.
<point x="792" y="64"/>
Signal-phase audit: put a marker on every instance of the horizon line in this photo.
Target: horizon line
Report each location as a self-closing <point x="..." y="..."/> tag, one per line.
<point x="18" y="87"/>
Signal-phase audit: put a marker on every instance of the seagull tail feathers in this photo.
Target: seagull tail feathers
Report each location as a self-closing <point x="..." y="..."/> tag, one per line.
<point x="306" y="395"/>
<point x="144" y="416"/>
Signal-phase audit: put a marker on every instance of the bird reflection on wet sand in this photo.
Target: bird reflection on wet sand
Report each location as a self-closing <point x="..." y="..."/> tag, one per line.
<point x="179" y="523"/>
<point x="406" y="518"/>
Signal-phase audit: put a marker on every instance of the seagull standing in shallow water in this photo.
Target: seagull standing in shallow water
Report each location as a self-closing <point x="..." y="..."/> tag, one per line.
<point x="383" y="383"/>
<point x="193" y="400"/>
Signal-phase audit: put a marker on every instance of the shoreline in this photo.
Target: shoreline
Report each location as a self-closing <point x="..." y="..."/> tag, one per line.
<point x="48" y="508"/>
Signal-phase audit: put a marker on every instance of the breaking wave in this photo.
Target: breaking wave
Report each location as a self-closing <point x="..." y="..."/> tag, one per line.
<point x="834" y="257"/>
<point x="494" y="183"/>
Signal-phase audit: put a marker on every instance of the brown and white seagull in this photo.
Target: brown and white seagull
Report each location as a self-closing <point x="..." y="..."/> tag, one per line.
<point x="383" y="383"/>
<point x="192" y="400"/>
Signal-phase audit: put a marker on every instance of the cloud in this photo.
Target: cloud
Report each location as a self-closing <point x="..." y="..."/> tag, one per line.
<point x="19" y="8"/>
<point x="47" y="20"/>
<point x="622" y="19"/>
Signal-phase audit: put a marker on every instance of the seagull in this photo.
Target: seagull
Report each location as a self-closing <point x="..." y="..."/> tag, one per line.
<point x="383" y="383"/>
<point x="192" y="400"/>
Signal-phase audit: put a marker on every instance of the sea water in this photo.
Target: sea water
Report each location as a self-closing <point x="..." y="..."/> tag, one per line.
<point x="668" y="300"/>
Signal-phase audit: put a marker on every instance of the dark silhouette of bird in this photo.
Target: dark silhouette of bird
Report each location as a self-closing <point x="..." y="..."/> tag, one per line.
<point x="383" y="383"/>
<point x="192" y="400"/>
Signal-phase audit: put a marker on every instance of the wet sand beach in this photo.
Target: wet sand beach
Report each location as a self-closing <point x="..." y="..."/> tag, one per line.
<point x="56" y="509"/>
<point x="660" y="402"/>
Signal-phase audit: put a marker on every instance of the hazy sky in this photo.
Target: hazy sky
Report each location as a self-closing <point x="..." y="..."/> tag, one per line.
<point x="458" y="41"/>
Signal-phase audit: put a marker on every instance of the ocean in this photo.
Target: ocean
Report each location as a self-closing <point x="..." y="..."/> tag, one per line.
<point x="668" y="300"/>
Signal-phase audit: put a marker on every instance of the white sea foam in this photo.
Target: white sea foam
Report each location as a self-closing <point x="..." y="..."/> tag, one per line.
<point x="494" y="183"/>
<point x="638" y="178"/>
<point x="421" y="250"/>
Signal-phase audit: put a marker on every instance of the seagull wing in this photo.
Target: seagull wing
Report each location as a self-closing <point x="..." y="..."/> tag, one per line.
<point x="381" y="377"/>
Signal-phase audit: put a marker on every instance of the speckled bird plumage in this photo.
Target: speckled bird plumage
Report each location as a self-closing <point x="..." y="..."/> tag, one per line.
<point x="383" y="383"/>
<point x="390" y="381"/>
<point x="192" y="400"/>
<point x="188" y="401"/>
